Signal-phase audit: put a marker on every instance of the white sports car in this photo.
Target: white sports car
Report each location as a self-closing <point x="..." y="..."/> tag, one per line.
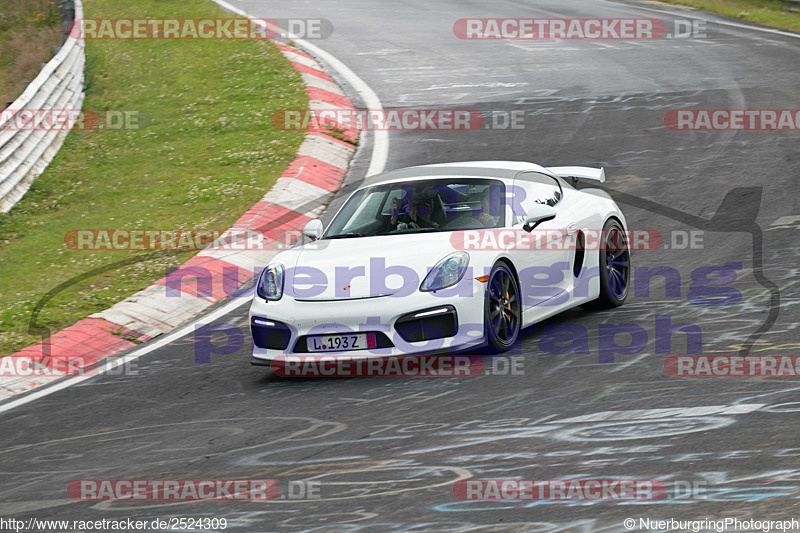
<point x="442" y="258"/>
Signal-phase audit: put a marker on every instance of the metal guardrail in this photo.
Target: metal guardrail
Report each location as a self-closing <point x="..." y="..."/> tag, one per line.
<point x="794" y="5"/>
<point x="26" y="152"/>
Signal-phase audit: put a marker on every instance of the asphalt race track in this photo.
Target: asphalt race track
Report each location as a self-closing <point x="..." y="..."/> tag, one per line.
<point x="386" y="452"/>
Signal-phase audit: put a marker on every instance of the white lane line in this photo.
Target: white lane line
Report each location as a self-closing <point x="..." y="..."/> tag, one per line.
<point x="657" y="414"/>
<point x="136" y="354"/>
<point x="626" y="364"/>
<point x="380" y="143"/>
<point x="543" y="419"/>
<point x="557" y="368"/>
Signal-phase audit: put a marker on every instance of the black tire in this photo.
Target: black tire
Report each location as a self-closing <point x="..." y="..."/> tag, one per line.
<point x="615" y="268"/>
<point x="502" y="311"/>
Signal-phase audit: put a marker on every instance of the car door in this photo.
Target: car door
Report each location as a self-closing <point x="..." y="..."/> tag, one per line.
<point x="544" y="257"/>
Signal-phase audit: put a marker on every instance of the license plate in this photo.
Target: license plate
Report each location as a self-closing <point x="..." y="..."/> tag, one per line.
<point x="339" y="343"/>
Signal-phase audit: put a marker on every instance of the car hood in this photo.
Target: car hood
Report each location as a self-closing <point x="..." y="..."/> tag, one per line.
<point x="364" y="267"/>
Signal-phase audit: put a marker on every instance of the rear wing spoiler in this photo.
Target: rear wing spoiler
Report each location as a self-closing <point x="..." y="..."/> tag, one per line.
<point x="575" y="173"/>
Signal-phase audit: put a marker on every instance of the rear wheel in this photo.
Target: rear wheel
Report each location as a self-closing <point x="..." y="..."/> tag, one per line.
<point x="502" y="309"/>
<point x="615" y="267"/>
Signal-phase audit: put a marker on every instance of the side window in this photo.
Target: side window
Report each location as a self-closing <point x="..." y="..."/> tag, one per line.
<point x="537" y="188"/>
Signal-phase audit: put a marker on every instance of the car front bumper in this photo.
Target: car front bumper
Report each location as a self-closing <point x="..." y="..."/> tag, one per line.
<point x="420" y="323"/>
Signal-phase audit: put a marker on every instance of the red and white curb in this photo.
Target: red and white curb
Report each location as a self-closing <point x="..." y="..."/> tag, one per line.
<point x="299" y="195"/>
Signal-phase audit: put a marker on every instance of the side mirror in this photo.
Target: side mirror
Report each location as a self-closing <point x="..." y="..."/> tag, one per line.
<point x="537" y="214"/>
<point x="313" y="229"/>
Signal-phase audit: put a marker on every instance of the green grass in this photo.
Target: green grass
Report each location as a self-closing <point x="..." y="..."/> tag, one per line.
<point x="205" y="151"/>
<point x="767" y="12"/>
<point x="29" y="29"/>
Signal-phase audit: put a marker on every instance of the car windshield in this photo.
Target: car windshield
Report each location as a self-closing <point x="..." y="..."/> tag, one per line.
<point x="430" y="205"/>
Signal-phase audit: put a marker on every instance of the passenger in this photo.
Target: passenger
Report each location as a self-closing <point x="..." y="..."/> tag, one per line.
<point x="490" y="208"/>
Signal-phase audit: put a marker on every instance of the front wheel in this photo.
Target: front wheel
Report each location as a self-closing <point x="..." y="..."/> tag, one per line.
<point x="502" y="309"/>
<point x="615" y="267"/>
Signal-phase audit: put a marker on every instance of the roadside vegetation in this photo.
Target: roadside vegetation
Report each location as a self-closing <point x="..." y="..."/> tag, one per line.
<point x="29" y="29"/>
<point x="774" y="13"/>
<point x="196" y="151"/>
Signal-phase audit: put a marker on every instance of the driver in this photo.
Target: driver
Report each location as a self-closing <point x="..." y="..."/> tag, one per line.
<point x="421" y="214"/>
<point x="417" y="216"/>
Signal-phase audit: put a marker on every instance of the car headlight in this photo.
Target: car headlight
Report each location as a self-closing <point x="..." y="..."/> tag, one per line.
<point x="270" y="283"/>
<point x="446" y="273"/>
